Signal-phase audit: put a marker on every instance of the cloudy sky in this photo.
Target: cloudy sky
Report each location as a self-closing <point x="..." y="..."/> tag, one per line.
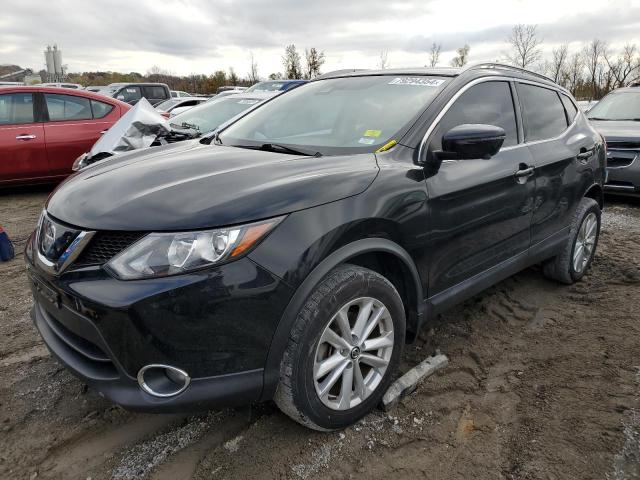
<point x="201" y="36"/>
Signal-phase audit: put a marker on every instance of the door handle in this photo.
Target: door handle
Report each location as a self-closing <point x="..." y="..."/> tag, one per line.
<point x="25" y="137"/>
<point x="525" y="171"/>
<point x="585" y="154"/>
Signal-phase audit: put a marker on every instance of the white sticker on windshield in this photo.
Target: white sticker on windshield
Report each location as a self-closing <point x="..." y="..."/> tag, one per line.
<point x="417" y="81"/>
<point x="248" y="102"/>
<point x="367" y="141"/>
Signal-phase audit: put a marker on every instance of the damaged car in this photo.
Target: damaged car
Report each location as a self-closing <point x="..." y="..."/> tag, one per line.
<point x="145" y="127"/>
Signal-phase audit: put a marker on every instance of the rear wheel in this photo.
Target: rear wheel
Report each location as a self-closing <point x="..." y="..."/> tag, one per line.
<point x="576" y="257"/>
<point x="343" y="350"/>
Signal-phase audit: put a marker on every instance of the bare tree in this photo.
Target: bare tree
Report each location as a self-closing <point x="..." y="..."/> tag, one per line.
<point x="434" y="54"/>
<point x="292" y="62"/>
<point x="253" y="76"/>
<point x="573" y="75"/>
<point x="383" y="59"/>
<point x="525" y="45"/>
<point x="559" y="59"/>
<point x="314" y="61"/>
<point x="232" y="77"/>
<point x="462" y="57"/>
<point x="624" y="66"/>
<point x="592" y="54"/>
<point x="275" y="76"/>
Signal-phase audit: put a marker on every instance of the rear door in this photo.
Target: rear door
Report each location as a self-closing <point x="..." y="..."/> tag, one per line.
<point x="554" y="140"/>
<point x="22" y="144"/>
<point x="480" y="209"/>
<point x="74" y="124"/>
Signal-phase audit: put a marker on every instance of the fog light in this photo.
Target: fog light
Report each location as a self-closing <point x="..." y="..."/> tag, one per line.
<point x="163" y="380"/>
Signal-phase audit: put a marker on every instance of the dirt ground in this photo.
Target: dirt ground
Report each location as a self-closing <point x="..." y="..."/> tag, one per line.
<point x="544" y="383"/>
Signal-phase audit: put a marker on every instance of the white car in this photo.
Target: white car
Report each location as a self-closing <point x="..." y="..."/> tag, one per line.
<point x="174" y="106"/>
<point x="75" y="86"/>
<point x="179" y="94"/>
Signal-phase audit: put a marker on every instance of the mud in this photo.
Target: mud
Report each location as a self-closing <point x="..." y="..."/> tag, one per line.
<point x="543" y="383"/>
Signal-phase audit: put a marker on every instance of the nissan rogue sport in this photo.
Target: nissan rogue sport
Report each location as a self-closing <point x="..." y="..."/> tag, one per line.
<point x="291" y="255"/>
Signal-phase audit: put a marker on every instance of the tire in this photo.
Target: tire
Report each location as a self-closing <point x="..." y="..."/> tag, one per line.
<point x="562" y="267"/>
<point x="303" y="392"/>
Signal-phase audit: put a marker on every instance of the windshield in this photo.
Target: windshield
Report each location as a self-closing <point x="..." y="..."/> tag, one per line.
<point x="163" y="106"/>
<point x="266" y="87"/>
<point x="339" y="115"/>
<point x="617" y="106"/>
<point x="209" y="115"/>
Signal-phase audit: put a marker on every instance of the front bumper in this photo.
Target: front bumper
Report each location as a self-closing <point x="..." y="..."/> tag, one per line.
<point x="623" y="174"/>
<point x="217" y="325"/>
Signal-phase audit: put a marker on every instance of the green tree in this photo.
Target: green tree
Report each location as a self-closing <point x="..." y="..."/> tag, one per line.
<point x="292" y="63"/>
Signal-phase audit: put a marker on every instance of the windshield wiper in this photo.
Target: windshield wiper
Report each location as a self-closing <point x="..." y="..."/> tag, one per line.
<point x="274" y="147"/>
<point x="599" y="119"/>
<point x="187" y="125"/>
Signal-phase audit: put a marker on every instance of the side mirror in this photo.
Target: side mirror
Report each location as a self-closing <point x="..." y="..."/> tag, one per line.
<point x="471" y="141"/>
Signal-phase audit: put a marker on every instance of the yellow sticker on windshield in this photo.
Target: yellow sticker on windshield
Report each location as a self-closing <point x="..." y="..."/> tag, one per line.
<point x="372" y="133"/>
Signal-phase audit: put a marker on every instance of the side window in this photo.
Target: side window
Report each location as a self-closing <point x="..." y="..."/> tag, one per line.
<point x="154" y="92"/>
<point x="100" y="109"/>
<point x="16" y="108"/>
<point x="542" y="112"/>
<point x="67" y="107"/>
<point x="129" y="94"/>
<point x="570" y="108"/>
<point x="488" y="103"/>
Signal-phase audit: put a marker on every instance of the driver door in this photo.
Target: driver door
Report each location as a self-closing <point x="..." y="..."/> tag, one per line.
<point x="479" y="210"/>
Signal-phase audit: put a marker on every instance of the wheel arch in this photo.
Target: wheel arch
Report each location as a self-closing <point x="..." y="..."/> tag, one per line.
<point x="378" y="254"/>
<point x="596" y="192"/>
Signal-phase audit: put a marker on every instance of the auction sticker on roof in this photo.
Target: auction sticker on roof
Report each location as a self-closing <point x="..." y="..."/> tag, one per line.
<point x="417" y="81"/>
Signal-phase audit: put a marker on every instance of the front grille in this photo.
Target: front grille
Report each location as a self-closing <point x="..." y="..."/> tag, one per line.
<point x="105" y="245"/>
<point x="619" y="161"/>
<point x="633" y="144"/>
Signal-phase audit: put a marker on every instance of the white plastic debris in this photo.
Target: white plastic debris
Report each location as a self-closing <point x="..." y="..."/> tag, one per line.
<point x="410" y="380"/>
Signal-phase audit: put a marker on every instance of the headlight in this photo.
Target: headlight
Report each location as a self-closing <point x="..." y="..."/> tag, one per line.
<point x="80" y="162"/>
<point x="162" y="254"/>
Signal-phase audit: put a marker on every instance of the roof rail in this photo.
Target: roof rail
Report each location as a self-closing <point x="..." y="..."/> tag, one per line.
<point x="340" y="72"/>
<point x="509" y="67"/>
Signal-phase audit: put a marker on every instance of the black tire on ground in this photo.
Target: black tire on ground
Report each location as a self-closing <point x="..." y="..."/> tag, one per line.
<point x="560" y="267"/>
<point x="296" y="395"/>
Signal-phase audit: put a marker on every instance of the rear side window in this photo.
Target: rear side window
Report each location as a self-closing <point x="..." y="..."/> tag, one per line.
<point x="67" y="107"/>
<point x="16" y="108"/>
<point x="155" y="92"/>
<point x="569" y="107"/>
<point x="129" y="94"/>
<point x="489" y="103"/>
<point x="542" y="112"/>
<point x="100" y="109"/>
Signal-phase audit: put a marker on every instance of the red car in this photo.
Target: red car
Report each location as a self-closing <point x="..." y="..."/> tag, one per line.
<point x="44" y="129"/>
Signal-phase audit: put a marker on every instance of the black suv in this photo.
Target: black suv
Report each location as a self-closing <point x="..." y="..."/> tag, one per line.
<point x="617" y="118"/>
<point x="131" y="93"/>
<point x="291" y="255"/>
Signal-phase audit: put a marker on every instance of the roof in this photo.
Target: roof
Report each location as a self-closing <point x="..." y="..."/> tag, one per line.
<point x="62" y="91"/>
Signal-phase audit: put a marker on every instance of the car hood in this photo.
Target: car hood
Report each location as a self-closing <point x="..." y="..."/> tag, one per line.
<point x="189" y="185"/>
<point x="618" y="131"/>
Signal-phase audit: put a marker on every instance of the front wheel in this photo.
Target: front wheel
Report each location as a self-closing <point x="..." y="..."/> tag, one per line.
<point x="578" y="252"/>
<point x="343" y="349"/>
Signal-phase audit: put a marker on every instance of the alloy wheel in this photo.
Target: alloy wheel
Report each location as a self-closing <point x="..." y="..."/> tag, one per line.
<point x="353" y="353"/>
<point x="585" y="242"/>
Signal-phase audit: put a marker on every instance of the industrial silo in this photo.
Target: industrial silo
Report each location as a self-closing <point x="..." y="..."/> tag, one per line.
<point x="57" y="61"/>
